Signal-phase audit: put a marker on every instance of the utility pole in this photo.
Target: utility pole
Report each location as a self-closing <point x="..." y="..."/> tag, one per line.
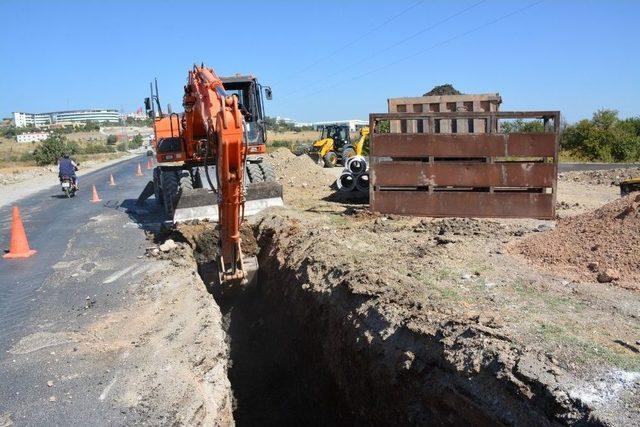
<point x="123" y="123"/>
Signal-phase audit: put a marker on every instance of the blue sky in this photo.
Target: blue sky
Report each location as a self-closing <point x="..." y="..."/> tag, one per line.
<point x="325" y="60"/>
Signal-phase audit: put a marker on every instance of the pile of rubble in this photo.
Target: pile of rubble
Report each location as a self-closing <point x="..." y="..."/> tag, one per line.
<point x="600" y="245"/>
<point x="600" y="177"/>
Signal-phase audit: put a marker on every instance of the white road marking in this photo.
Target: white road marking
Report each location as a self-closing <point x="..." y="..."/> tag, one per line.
<point x="117" y="275"/>
<point x="106" y="390"/>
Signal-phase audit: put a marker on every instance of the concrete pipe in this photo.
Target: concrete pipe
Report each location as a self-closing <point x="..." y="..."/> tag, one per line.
<point x="356" y="165"/>
<point x="362" y="182"/>
<point x="346" y="181"/>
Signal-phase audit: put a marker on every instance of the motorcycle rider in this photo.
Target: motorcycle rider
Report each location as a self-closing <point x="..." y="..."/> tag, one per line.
<point x="67" y="167"/>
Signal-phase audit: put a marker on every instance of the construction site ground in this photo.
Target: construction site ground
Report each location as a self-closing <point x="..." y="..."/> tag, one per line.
<point x="549" y="341"/>
<point x="356" y="318"/>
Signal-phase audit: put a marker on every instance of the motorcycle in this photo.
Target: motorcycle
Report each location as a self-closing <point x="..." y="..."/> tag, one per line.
<point x="68" y="186"/>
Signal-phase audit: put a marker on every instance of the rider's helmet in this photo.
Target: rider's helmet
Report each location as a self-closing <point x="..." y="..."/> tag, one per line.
<point x="65" y="155"/>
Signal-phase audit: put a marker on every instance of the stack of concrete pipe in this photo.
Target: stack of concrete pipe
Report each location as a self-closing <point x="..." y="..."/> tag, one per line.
<point x="355" y="176"/>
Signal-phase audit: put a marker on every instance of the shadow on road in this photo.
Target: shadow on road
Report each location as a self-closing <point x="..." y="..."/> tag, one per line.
<point x="147" y="215"/>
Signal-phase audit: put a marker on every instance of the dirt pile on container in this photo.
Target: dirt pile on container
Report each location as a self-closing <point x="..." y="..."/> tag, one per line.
<point x="600" y="245"/>
<point x="445" y="89"/>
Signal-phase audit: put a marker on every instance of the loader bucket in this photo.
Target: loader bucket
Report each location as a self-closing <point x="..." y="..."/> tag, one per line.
<point x="202" y="203"/>
<point x="315" y="156"/>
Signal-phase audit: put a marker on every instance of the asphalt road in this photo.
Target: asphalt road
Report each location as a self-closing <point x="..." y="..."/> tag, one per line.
<point x="87" y="255"/>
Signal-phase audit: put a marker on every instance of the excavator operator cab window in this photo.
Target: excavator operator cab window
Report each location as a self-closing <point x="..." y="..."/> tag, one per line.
<point x="250" y="105"/>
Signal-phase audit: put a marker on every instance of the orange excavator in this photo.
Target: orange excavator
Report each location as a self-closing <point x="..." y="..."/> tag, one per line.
<point x="223" y="131"/>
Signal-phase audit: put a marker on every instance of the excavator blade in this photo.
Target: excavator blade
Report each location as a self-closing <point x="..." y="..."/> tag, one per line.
<point x="201" y="203"/>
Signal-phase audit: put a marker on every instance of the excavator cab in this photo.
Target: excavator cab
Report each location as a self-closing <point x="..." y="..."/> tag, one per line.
<point x="250" y="101"/>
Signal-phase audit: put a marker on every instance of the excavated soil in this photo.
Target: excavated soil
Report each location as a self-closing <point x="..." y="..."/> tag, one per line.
<point x="304" y="182"/>
<point x="588" y="244"/>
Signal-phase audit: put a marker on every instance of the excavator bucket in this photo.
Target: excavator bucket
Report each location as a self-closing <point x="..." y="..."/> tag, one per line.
<point x="315" y="156"/>
<point x="247" y="277"/>
<point x="211" y="273"/>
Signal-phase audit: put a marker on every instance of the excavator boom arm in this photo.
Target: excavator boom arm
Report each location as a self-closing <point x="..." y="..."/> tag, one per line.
<point x="215" y="118"/>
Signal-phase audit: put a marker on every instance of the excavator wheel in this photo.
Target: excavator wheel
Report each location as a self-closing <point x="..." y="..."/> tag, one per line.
<point x="330" y="159"/>
<point x="268" y="173"/>
<point x="254" y="172"/>
<point x="186" y="183"/>
<point x="157" y="192"/>
<point x="169" y="179"/>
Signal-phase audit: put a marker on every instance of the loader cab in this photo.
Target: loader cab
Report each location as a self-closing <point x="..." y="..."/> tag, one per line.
<point x="251" y="103"/>
<point x="339" y="134"/>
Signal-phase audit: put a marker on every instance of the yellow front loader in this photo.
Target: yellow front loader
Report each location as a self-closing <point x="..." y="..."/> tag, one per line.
<point x="335" y="146"/>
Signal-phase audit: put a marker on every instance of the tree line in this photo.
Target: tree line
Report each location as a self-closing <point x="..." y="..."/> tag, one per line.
<point x="49" y="151"/>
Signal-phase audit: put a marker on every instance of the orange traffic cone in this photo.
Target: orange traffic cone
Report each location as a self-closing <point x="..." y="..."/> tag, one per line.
<point x="139" y="171"/>
<point x="95" y="197"/>
<point x="19" y="246"/>
<point x="149" y="164"/>
<point x="112" y="182"/>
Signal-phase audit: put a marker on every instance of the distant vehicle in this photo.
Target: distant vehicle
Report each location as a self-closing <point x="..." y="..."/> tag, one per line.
<point x="335" y="146"/>
<point x="68" y="186"/>
<point x="149" y="153"/>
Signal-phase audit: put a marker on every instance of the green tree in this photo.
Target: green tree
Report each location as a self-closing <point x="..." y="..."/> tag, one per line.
<point x="603" y="138"/>
<point x="136" y="141"/>
<point x="520" y="126"/>
<point x="605" y="119"/>
<point x="50" y="150"/>
<point x="383" y="126"/>
<point x="112" y="139"/>
<point x="8" y="131"/>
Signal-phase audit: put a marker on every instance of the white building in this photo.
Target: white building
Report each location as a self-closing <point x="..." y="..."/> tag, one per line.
<point x="353" y="124"/>
<point x="21" y="119"/>
<point x="32" y="137"/>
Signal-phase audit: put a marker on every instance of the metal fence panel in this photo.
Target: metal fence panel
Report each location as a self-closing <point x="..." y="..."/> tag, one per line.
<point x="468" y="175"/>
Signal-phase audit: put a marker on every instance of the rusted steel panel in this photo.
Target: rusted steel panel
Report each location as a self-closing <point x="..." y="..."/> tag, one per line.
<point x="464" y="204"/>
<point x="415" y="174"/>
<point x="538" y="144"/>
<point x="462" y="145"/>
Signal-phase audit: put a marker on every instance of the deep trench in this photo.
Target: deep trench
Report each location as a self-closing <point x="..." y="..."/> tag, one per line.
<point x="276" y="375"/>
<point x="299" y="358"/>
